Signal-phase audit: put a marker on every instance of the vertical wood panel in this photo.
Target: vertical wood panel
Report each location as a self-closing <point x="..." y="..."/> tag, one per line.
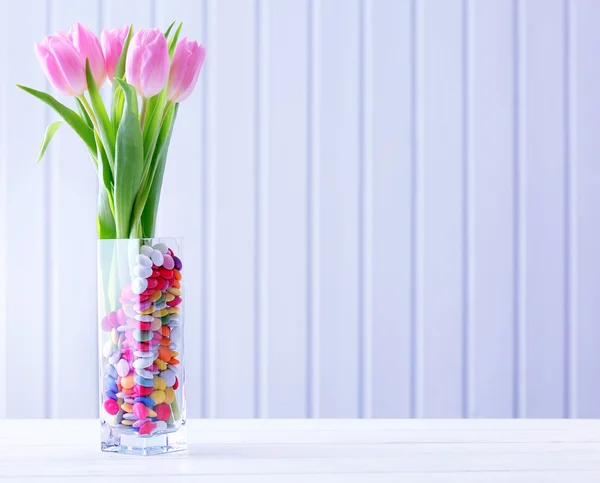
<point x="26" y="265"/>
<point x="544" y="207"/>
<point x="491" y="140"/>
<point x="183" y="187"/>
<point x="585" y="219"/>
<point x="118" y="13"/>
<point x="441" y="191"/>
<point x="235" y="202"/>
<point x="338" y="207"/>
<point x="286" y="191"/>
<point x="391" y="193"/>
<point x="72" y="202"/>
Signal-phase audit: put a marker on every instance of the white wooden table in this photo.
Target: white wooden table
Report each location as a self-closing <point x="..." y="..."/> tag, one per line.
<point x="371" y="451"/>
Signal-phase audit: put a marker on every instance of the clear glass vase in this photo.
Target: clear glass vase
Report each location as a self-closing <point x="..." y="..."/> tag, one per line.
<point x="142" y="364"/>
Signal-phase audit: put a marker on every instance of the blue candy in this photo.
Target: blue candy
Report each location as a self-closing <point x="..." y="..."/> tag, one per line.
<point x="111" y="371"/>
<point x="145" y="400"/>
<point x="110" y="394"/>
<point x="111" y="384"/>
<point x="142" y="381"/>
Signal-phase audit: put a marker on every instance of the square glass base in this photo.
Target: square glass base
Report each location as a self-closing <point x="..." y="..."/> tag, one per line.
<point x="115" y="440"/>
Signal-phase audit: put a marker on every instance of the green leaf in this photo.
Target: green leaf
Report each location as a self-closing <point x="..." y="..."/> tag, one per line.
<point x="105" y="173"/>
<point x="173" y="41"/>
<point x="105" y="221"/>
<point x="152" y="197"/>
<point x="71" y="117"/>
<point x="107" y="134"/>
<point x="153" y="124"/>
<point x="117" y="105"/>
<point x="50" y="132"/>
<point x="168" y="31"/>
<point x="129" y="161"/>
<point x="120" y="68"/>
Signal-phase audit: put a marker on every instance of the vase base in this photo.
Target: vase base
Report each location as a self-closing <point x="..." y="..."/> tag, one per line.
<point x="133" y="444"/>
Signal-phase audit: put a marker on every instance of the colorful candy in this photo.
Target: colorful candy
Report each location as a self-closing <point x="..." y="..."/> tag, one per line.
<point x="143" y="332"/>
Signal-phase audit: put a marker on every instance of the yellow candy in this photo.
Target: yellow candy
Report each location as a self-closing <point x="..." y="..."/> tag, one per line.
<point x="127" y="382"/>
<point x="155" y="296"/>
<point x="159" y="383"/>
<point x="127" y="407"/>
<point x="162" y="365"/>
<point x="160" y="313"/>
<point x="169" y="395"/>
<point x="148" y="311"/>
<point x="126" y="422"/>
<point x="174" y="354"/>
<point x="169" y="297"/>
<point x="158" y="396"/>
<point x="174" y="291"/>
<point x="173" y="310"/>
<point x="151" y="413"/>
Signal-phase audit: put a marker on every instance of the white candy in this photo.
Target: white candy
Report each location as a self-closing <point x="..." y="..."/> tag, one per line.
<point x="168" y="376"/>
<point x="144" y="261"/>
<point x="157" y="258"/>
<point x="173" y="323"/>
<point x="123" y="328"/>
<point x="144" y="318"/>
<point x="108" y="349"/>
<point x="173" y="347"/>
<point x="145" y="354"/>
<point x="143" y="272"/>
<point x="143" y="363"/>
<point x="122" y="368"/>
<point x="160" y="425"/>
<point x="114" y="358"/>
<point x="156" y="323"/>
<point x="161" y="247"/>
<point x="175" y="369"/>
<point x="160" y="306"/>
<point x="139" y="285"/>
<point x="144" y="373"/>
<point x="146" y="250"/>
<point x="175" y="335"/>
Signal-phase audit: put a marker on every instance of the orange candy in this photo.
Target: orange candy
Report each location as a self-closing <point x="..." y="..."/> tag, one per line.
<point x="176" y="274"/>
<point x="165" y="331"/>
<point x="155" y="296"/>
<point x="174" y="362"/>
<point x="127" y="382"/>
<point x="165" y="341"/>
<point x="177" y="284"/>
<point x="164" y="353"/>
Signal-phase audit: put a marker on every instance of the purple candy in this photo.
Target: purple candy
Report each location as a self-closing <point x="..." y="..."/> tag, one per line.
<point x="178" y="264"/>
<point x="142" y="306"/>
<point x="140" y="422"/>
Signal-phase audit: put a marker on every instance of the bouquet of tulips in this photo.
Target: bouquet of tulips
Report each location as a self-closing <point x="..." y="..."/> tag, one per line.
<point x="128" y="141"/>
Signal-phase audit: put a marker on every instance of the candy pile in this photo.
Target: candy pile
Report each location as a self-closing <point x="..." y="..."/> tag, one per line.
<point x="142" y="367"/>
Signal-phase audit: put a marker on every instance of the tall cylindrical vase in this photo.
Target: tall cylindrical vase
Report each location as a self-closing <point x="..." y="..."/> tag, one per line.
<point x="142" y="374"/>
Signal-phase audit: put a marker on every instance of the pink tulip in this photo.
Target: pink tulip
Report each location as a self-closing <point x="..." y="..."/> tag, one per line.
<point x="112" y="46"/>
<point x="62" y="64"/>
<point x="147" y="66"/>
<point x="185" y="69"/>
<point x="88" y="46"/>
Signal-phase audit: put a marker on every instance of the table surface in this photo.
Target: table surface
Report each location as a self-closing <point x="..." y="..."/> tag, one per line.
<point x="373" y="451"/>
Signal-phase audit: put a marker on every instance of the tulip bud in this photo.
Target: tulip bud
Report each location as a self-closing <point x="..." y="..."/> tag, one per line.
<point x="63" y="65"/>
<point x="147" y="66"/>
<point x="112" y="46"/>
<point x="88" y="46"/>
<point x="185" y="69"/>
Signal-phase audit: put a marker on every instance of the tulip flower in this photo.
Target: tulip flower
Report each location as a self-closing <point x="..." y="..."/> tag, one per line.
<point x="88" y="46"/>
<point x="112" y="46"/>
<point x="63" y="65"/>
<point x="185" y="69"/>
<point x="147" y="66"/>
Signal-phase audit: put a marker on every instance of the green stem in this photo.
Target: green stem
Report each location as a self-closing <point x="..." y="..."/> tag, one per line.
<point x="90" y="112"/>
<point x="144" y="112"/>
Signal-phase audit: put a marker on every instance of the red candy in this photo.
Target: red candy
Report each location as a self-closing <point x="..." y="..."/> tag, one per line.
<point x="142" y="390"/>
<point x="147" y="428"/>
<point x="155" y="273"/>
<point x="175" y="302"/>
<point x="176" y="385"/>
<point x="111" y="406"/>
<point x="145" y="325"/>
<point x="163" y="412"/>
<point x="152" y="283"/>
<point x="142" y="347"/>
<point x="164" y="273"/>
<point x="147" y="293"/>
<point x="170" y="252"/>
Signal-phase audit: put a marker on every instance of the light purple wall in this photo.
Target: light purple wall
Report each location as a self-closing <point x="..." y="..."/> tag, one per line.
<point x="391" y="209"/>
